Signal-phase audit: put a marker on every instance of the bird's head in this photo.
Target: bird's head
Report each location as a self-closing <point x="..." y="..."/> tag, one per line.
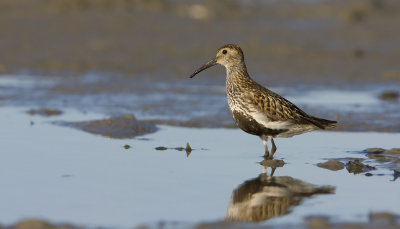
<point x="227" y="56"/>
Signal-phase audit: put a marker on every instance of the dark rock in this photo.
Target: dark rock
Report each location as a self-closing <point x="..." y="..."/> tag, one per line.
<point x="161" y="148"/>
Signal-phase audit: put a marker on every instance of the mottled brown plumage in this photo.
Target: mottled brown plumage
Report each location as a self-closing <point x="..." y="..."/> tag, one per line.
<point x="257" y="110"/>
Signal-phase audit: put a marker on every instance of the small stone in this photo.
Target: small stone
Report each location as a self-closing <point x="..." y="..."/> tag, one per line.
<point x="332" y="165"/>
<point x="161" y="148"/>
<point x="368" y="174"/>
<point x="127" y="146"/>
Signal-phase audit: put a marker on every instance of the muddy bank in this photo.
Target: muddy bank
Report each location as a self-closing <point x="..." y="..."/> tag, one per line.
<point x="331" y="42"/>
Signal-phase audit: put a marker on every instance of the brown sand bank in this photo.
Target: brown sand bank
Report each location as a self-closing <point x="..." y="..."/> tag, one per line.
<point x="284" y="41"/>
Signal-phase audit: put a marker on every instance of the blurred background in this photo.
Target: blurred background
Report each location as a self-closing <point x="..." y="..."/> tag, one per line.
<point x="285" y="41"/>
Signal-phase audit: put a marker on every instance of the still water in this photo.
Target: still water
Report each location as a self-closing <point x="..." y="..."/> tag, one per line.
<point x="63" y="174"/>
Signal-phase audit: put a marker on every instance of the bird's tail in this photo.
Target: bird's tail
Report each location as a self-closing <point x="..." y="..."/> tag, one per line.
<point x="322" y="123"/>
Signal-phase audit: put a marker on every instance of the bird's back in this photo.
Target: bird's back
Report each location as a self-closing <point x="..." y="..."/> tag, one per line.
<point x="260" y="111"/>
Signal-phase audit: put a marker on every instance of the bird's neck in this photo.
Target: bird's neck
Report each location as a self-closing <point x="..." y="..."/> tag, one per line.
<point x="237" y="73"/>
<point x="237" y="79"/>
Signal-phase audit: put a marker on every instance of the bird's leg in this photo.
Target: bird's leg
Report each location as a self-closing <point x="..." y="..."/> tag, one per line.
<point x="272" y="171"/>
<point x="273" y="149"/>
<point x="265" y="141"/>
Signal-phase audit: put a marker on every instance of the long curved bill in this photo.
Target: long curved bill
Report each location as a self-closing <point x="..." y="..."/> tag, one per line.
<point x="204" y="67"/>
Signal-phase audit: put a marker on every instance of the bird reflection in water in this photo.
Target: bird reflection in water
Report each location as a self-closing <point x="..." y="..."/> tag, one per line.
<point x="268" y="196"/>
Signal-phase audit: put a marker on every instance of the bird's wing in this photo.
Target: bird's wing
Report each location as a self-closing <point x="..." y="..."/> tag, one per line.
<point x="275" y="107"/>
<point x="275" y="111"/>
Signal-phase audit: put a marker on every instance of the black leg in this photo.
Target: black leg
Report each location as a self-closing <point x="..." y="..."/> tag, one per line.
<point x="272" y="171"/>
<point x="273" y="149"/>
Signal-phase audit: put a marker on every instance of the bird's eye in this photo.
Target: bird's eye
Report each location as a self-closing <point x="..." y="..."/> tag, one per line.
<point x="224" y="51"/>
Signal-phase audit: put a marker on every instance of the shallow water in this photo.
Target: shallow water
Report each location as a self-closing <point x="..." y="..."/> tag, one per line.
<point x="66" y="175"/>
<point x="195" y="102"/>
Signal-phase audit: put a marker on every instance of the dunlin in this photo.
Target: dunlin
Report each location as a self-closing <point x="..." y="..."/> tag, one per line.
<point x="256" y="109"/>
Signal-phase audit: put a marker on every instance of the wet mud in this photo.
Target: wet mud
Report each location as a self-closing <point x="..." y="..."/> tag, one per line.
<point x="125" y="126"/>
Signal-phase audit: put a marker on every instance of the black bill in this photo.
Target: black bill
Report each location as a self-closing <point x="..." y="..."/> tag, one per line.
<point x="204" y="67"/>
